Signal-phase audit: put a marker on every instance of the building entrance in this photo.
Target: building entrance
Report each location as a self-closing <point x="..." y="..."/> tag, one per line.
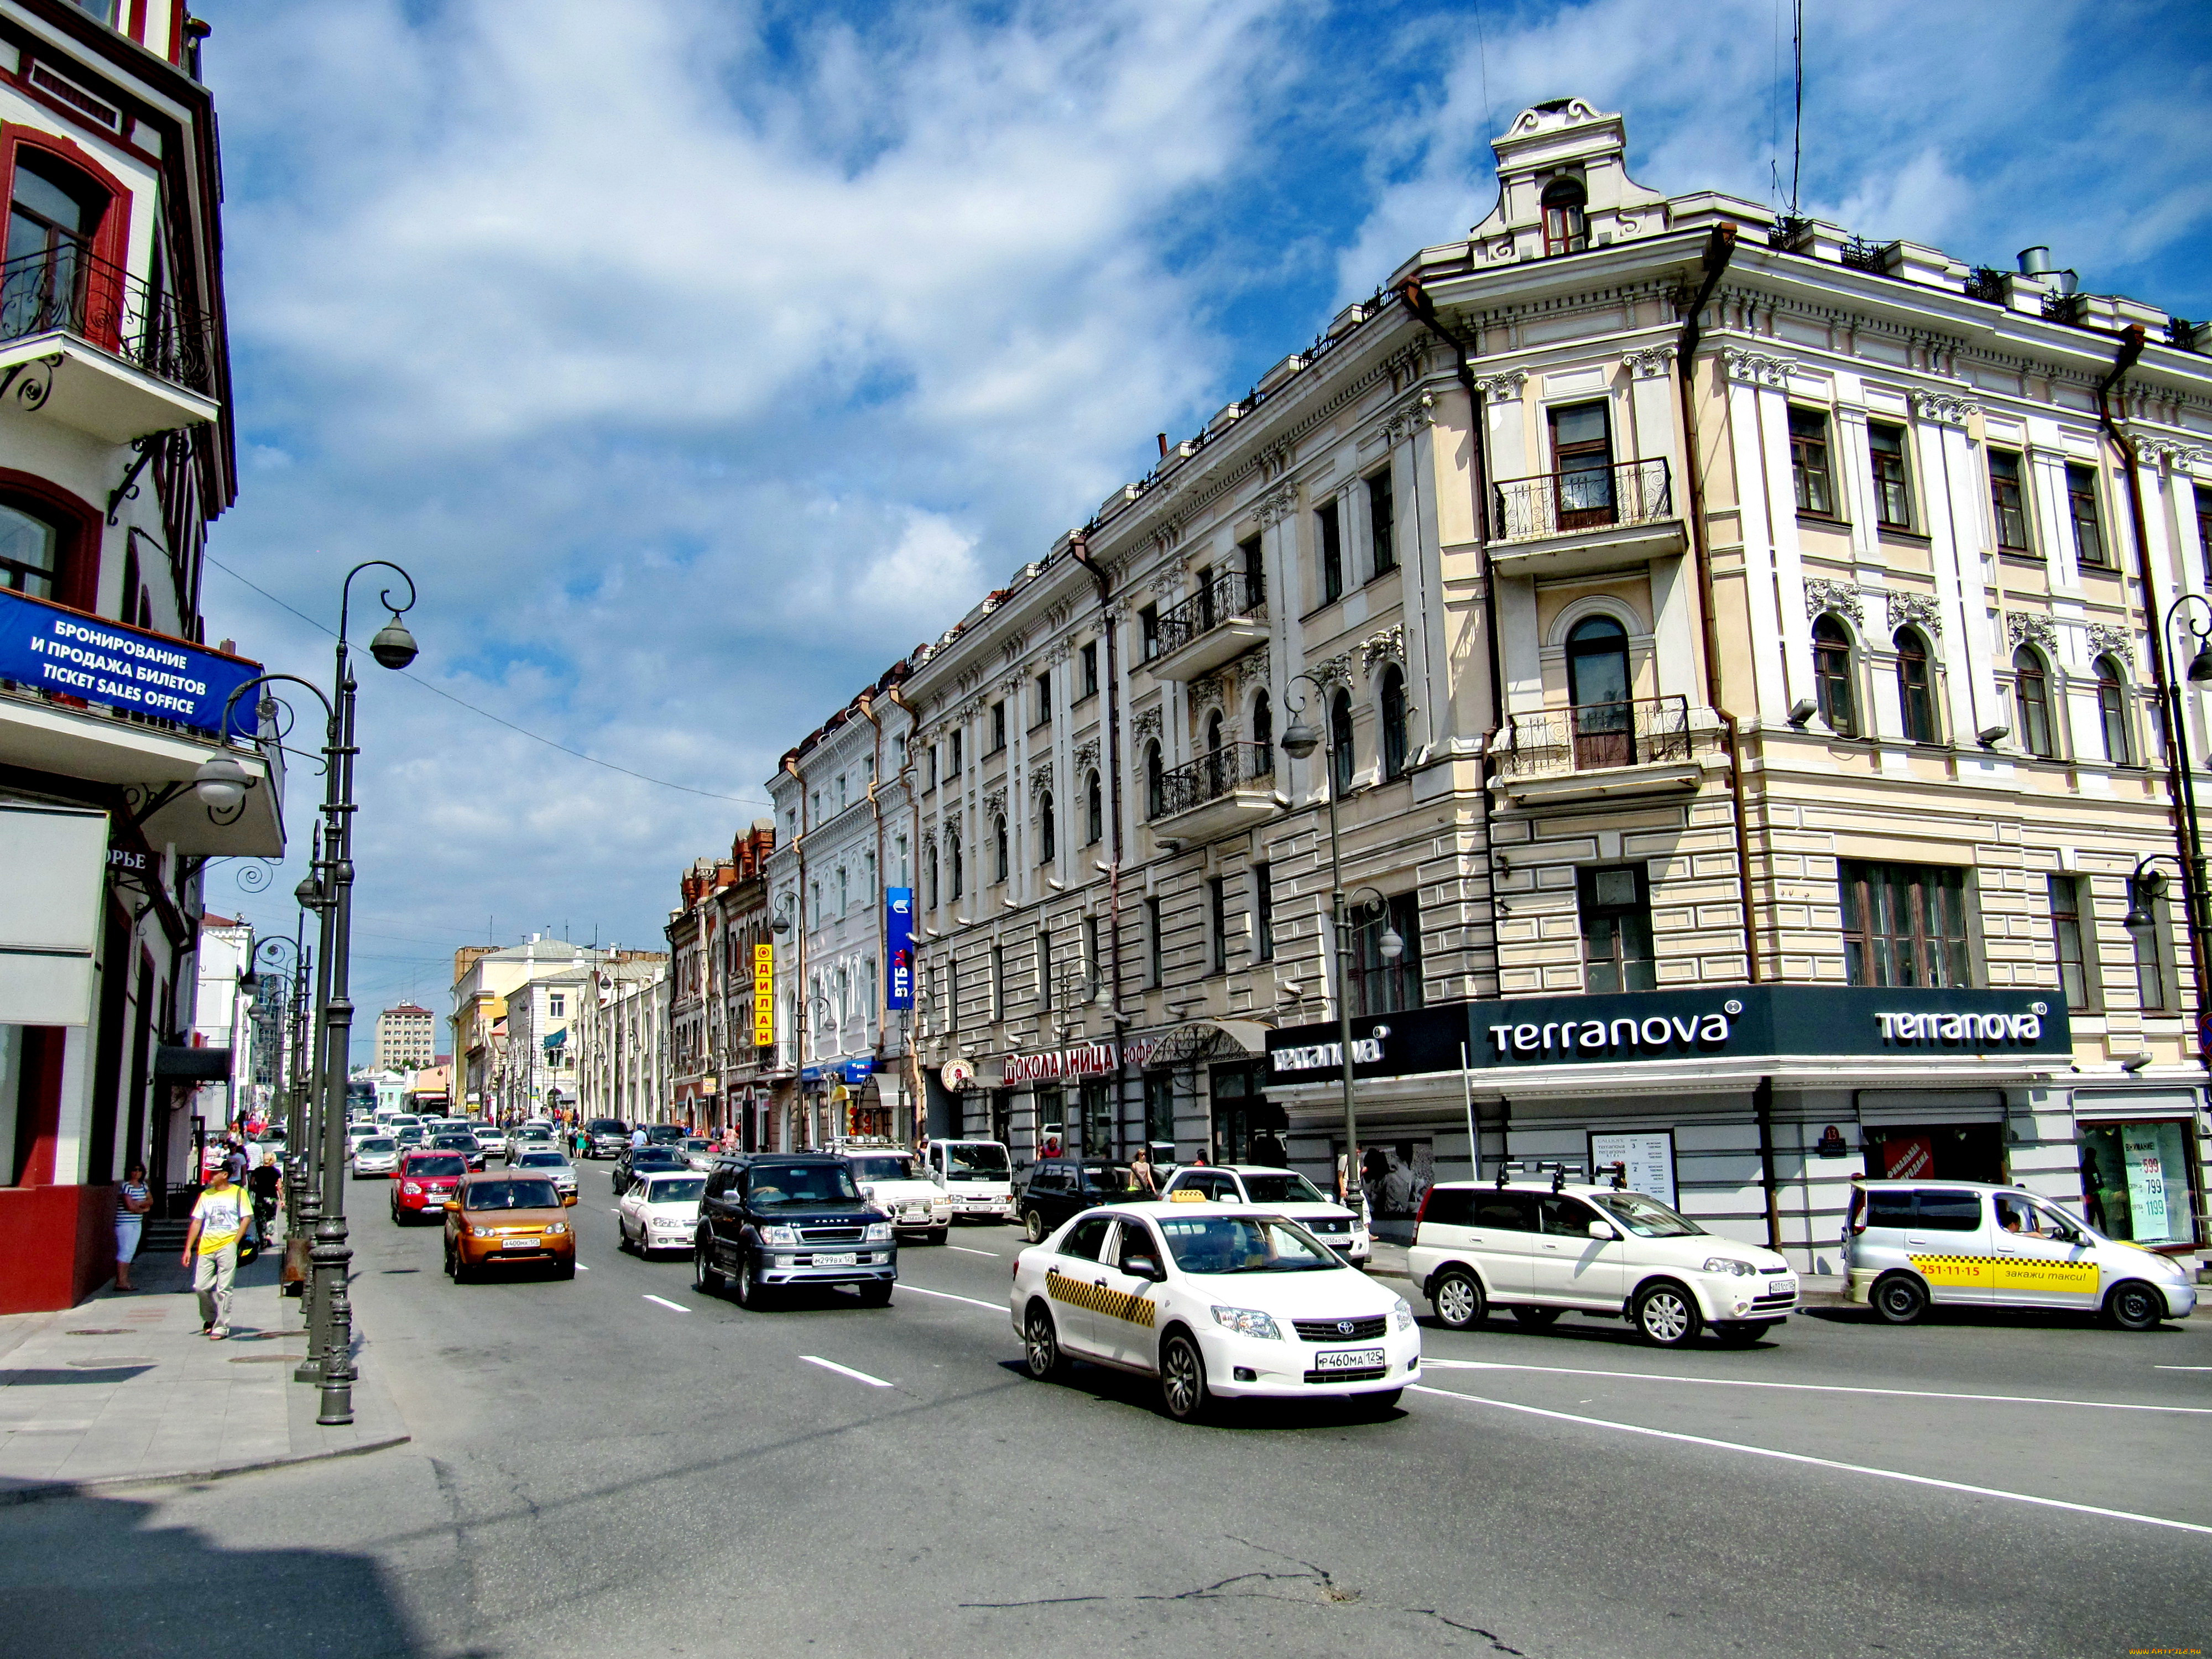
<point x="1937" y="1151"/>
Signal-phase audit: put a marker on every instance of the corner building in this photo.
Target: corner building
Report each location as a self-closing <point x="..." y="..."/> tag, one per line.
<point x="1740" y="665"/>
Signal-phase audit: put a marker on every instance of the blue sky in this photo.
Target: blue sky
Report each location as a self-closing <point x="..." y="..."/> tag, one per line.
<point x="701" y="359"/>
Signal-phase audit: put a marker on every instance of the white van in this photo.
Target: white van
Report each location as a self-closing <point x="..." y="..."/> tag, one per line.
<point x="977" y="1175"/>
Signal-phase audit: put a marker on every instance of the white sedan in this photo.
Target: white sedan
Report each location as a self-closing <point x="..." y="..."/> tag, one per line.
<point x="376" y="1155"/>
<point x="660" y="1212"/>
<point x="1226" y="1301"/>
<point x="549" y="1162"/>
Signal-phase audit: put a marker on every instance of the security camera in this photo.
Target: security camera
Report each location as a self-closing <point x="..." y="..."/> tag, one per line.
<point x="1990" y="736"/>
<point x="1802" y="710"/>
<point x="2135" y="1061"/>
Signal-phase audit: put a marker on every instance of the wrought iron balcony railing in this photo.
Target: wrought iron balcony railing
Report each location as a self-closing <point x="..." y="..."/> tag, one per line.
<point x="1213" y="774"/>
<point x="1584" y="498"/>
<point x="1598" y="734"/>
<point x="1225" y="596"/>
<point x="65" y="290"/>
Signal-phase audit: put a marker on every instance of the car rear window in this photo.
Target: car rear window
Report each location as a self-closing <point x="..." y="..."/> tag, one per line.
<point x="1948" y="1212"/>
<point x="771" y="1184"/>
<point x="379" y="1144"/>
<point x="443" y="1164"/>
<point x="606" y="1125"/>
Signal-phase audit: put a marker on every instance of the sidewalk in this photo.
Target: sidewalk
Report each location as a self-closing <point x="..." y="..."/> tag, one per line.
<point x="1814" y="1290"/>
<point x="124" y="1389"/>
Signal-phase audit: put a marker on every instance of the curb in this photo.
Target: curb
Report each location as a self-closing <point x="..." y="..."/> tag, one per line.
<point x="44" y="1490"/>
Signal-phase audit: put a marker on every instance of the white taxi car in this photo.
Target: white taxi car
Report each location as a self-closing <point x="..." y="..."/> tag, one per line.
<point x="1286" y="1192"/>
<point x="1218" y="1301"/>
<point x="893" y="1182"/>
<point x="660" y="1212"/>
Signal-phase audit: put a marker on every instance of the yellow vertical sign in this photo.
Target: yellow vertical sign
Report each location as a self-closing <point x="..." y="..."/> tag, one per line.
<point x="763" y="995"/>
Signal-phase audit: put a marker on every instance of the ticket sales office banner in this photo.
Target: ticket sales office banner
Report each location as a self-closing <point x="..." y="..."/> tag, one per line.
<point x="1517" y="1034"/>
<point x="54" y="648"/>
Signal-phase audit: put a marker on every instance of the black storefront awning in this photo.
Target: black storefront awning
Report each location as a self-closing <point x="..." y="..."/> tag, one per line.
<point x="173" y="1063"/>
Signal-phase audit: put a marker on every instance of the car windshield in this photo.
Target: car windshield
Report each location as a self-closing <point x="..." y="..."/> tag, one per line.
<point x="1245" y="1244"/>
<point x="543" y="1161"/>
<point x="972" y="1160"/>
<point x="379" y="1144"/>
<point x="454" y="1143"/>
<point x="442" y="1164"/>
<point x="515" y="1195"/>
<point x="1281" y="1189"/>
<point x="682" y="1190"/>
<point x="606" y="1126"/>
<point x="883" y="1169"/>
<point x="1647" y="1218"/>
<point x="695" y="1144"/>
<point x="773" y="1184"/>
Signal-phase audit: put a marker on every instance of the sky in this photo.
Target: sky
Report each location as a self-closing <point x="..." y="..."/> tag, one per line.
<point x="698" y="359"/>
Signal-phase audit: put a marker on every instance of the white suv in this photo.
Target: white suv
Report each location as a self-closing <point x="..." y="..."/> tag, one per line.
<point x="889" y="1179"/>
<point x="1546" y="1248"/>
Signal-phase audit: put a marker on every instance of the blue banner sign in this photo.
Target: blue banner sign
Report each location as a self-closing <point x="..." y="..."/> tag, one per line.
<point x="57" y="649"/>
<point x="898" y="947"/>
<point x="857" y="1070"/>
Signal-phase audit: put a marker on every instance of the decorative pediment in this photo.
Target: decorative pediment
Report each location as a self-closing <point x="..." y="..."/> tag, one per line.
<point x="1278" y="507"/>
<point x="2026" y="628"/>
<point x="1944" y="408"/>
<point x="1920" y="609"/>
<point x="1086" y="755"/>
<point x="1649" y="362"/>
<point x="1039" y="783"/>
<point x="1756" y="367"/>
<point x="1331" y="671"/>
<point x="1384" y="645"/>
<point x="1148" y="723"/>
<point x="1842" y="598"/>
<point x="995" y="803"/>
<point x="2109" y="638"/>
<point x="1205" y="694"/>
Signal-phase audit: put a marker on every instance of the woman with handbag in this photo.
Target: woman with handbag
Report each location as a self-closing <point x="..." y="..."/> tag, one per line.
<point x="133" y="1200"/>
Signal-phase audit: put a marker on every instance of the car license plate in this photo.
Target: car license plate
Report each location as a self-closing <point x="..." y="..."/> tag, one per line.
<point x="845" y="1259"/>
<point x="518" y="1243"/>
<point x="1347" y="1359"/>
<point x="1781" y="1287"/>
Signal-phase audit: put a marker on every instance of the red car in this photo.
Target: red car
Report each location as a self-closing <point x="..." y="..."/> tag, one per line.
<point x="422" y="1183"/>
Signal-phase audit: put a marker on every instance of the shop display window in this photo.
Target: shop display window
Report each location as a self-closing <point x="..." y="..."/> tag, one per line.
<point x="2137" y="1181"/>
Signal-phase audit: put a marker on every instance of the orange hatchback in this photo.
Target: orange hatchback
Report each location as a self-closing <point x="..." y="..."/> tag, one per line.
<point x="508" y="1218"/>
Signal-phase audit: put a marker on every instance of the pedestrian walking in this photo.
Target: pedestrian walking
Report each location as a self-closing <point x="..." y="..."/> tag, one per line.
<point x="219" y="1222"/>
<point x="234" y="1159"/>
<point x="266" y="1182"/>
<point x="132" y="1202"/>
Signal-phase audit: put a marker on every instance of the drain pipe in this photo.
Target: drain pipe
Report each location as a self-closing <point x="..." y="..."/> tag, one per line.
<point x="1078" y="543"/>
<point x="910" y="1064"/>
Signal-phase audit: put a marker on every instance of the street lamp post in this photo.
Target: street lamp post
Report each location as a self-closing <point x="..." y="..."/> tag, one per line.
<point x="2197" y="905"/>
<point x="1299" y="740"/>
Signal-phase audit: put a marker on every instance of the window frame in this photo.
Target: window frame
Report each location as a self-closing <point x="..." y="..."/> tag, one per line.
<point x="1628" y="972"/>
<point x="78" y="535"/>
<point x="1086" y="657"/>
<point x="1217" y="907"/>
<point x="1928" y="727"/>
<point x="2114" y="726"/>
<point x="2071" y="906"/>
<point x="2029" y="670"/>
<point x="1094" y="808"/>
<point x="1343" y="737"/>
<point x="1381" y="521"/>
<point x="1328" y="550"/>
<point x="1834" y="676"/>
<point x="2011" y="482"/>
<point x="998" y="727"/>
<point x="2084" y="508"/>
<point x="1263" y="911"/>
<point x="1396" y="751"/>
<point x="1565" y="223"/>
<point x="1378" y="988"/>
<point x="1891" y="482"/>
<point x="1934" y="954"/>
<point x="1047" y="830"/>
<point x="1812" y="464"/>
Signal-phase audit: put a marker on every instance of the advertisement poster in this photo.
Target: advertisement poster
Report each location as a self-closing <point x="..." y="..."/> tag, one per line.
<point x="763" y="996"/>
<point x="57" y="649"/>
<point x="1650" y="1156"/>
<point x="898" y="947"/>
<point x="2147" y="1189"/>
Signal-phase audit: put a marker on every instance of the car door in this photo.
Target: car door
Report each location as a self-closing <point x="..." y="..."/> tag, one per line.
<point x="2043" y="1261"/>
<point x="626" y="1213"/>
<point x="1129" y="1301"/>
<point x="1568" y="1266"/>
<point x="717" y="1212"/>
<point x="1949" y="1243"/>
<point x="1501" y="1242"/>
<point x="1073" y="1278"/>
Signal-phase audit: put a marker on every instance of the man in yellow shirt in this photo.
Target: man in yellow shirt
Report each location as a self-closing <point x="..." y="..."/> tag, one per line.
<point x="219" y="1222"/>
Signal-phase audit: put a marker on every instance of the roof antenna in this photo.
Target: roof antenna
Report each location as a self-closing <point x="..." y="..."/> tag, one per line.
<point x="1797" y="137"/>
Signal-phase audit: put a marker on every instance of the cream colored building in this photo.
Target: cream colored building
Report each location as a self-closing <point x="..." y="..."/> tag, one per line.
<point x="406" y="1038"/>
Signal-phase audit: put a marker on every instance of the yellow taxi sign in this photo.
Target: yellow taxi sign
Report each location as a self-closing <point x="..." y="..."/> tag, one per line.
<point x="1187" y="1195"/>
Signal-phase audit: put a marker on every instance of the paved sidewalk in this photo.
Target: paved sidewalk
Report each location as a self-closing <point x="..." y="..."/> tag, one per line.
<point x="124" y="1389"/>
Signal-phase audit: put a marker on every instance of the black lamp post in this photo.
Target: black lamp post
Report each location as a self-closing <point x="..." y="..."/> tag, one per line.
<point x="2194" y="612"/>
<point x="1299" y="740"/>
<point x="290" y="957"/>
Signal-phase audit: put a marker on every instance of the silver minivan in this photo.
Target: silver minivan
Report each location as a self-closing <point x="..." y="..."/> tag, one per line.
<point x="1962" y="1243"/>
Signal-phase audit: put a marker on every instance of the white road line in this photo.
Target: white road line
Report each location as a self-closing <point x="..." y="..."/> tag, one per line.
<point x="1811" y="1387"/>
<point x="923" y="1289"/>
<point x="845" y="1371"/>
<point x="676" y="1306"/>
<point x="1820" y="1462"/>
<point x="964" y="1250"/>
<point x="2181" y="1368"/>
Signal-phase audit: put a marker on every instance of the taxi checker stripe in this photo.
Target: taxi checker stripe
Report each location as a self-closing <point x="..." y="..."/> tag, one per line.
<point x="1097" y="1298"/>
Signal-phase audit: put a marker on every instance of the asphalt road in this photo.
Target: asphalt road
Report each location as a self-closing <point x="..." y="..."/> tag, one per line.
<point x="618" y="1465"/>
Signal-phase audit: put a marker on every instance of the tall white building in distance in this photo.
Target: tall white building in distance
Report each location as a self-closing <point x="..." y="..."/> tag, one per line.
<point x="405" y="1038"/>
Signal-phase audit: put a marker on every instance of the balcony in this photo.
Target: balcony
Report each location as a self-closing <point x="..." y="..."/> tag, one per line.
<point x="1221" y="792"/>
<point x="87" y="343"/>
<point x="1604" y="750"/>
<point x="1227" y="617"/>
<point x="1585" y="518"/>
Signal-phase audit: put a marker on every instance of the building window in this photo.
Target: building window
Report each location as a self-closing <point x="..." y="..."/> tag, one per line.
<point x="1905" y="925"/>
<point x="1597" y="685"/>
<point x="1044" y="699"/>
<point x="2112" y="713"/>
<point x="1156" y="783"/>
<point x="1263" y="912"/>
<point x="2138" y="1182"/>
<point x="2069" y="941"/>
<point x="844" y="891"/>
<point x="1263" y="727"/>
<point x="1217" y="908"/>
<point x="1159" y="1108"/>
<point x="2153" y="944"/>
<point x="1087" y="669"/>
<point x="1001" y="860"/>
<point x="556" y="1006"/>
<point x="1892" y="484"/>
<point x="959" y="747"/>
<point x="1044" y="966"/>
<point x="30" y="553"/>
<point x="1339" y="741"/>
<point x="2007" y="506"/>
<point x="1393" y="721"/>
<point x="1582" y="457"/>
<point x="1615" y="906"/>
<point x="1831" y="677"/>
<point x="1092" y="958"/>
<point x="1382" y="527"/>
<point x="1094" y="811"/>
<point x="1385" y="987"/>
<point x="2030" y="689"/>
<point x="931" y="870"/>
<point x="1332" y="552"/>
<point x="998" y="984"/>
<point x="905" y="870"/>
<point x="2081" y="509"/>
<point x="1808" y="462"/>
<point x="1566" y="227"/>
<point x="1047" y="830"/>
<point x="2205" y="529"/>
<point x="1156" y="953"/>
<point x="1255" y="572"/>
<point x="953" y="858"/>
<point x="1916" y="702"/>
<point x="998" y="727"/>
<point x="1148" y="632"/>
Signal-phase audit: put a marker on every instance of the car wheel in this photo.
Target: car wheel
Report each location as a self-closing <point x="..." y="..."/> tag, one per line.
<point x="749" y="1294"/>
<point x="1040" y="1345"/>
<point x="1183" y="1378"/>
<point x="875" y="1296"/>
<point x="449" y="1260"/>
<point x="939" y="1235"/>
<point x="2135" y="1306"/>
<point x="1458" y="1299"/>
<point x="1538" y="1318"/>
<point x="567" y="1269"/>
<point x="1033" y="1226"/>
<point x="1666" y="1315"/>
<point x="461" y="1269"/>
<point x="1900" y="1298"/>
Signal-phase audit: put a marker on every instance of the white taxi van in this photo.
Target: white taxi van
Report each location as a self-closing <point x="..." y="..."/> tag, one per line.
<point x="1218" y="1301"/>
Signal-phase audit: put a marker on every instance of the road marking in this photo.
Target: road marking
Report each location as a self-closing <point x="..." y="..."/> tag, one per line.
<point x="1815" y="1388"/>
<point x="582" y="1267"/>
<point x="845" y="1371"/>
<point x="676" y="1306"/>
<point x="964" y="1250"/>
<point x="1820" y="1462"/>
<point x="2181" y="1368"/>
<point x="923" y="1289"/>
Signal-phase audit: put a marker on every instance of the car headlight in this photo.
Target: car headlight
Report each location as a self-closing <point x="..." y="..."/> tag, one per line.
<point x="779" y="1234"/>
<point x="879" y="1232"/>
<point x="552" y="1227"/>
<point x="1722" y="1264"/>
<point x="1403" y="1315"/>
<point x="1247" y="1322"/>
<point x="409" y="1187"/>
<point x="479" y="1232"/>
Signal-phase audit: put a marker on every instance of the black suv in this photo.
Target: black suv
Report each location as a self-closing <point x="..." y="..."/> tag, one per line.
<point x="634" y="1161"/>
<point x="771" y="1219"/>
<point x="1063" y="1187"/>
<point x="605" y="1137"/>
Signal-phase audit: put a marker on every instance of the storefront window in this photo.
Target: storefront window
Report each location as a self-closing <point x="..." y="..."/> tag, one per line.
<point x="2136" y="1182"/>
<point x="1159" y="1108"/>
<point x="1098" y="1106"/>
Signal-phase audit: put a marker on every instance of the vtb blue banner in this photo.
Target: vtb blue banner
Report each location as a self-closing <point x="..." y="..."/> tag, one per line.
<point x="61" y="650"/>
<point x="898" y="947"/>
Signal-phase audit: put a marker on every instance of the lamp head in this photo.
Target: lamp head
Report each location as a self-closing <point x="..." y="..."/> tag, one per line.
<point x="1390" y="944"/>
<point x="1299" y="740"/>
<point x="393" y="645"/>
<point x="221" y="783"/>
<point x="781" y="925"/>
<point x="2200" y="666"/>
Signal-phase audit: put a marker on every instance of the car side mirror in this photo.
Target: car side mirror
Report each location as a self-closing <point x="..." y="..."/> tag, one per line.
<point x="452" y="1203"/>
<point x="1603" y="1230"/>
<point x="1143" y="1267"/>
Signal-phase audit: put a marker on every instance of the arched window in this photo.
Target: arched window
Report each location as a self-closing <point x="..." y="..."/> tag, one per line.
<point x="2030" y="689"/>
<point x="1916" y="702"/>
<point x="1831" y="677"/>
<point x="2112" y="713"/>
<point x="1047" y="830"/>
<point x="1393" y="721"/>
<point x="1566" y="228"/>
<point x="1263" y="727"/>
<point x="1094" y="811"/>
<point x="1218" y="774"/>
<point x="1001" y="860"/>
<point x="30" y="552"/>
<point x="934" y="898"/>
<point x="1597" y="685"/>
<point x="1339" y="741"/>
<point x="64" y="247"/>
<point x="1156" y="783"/>
<point x="959" y="865"/>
